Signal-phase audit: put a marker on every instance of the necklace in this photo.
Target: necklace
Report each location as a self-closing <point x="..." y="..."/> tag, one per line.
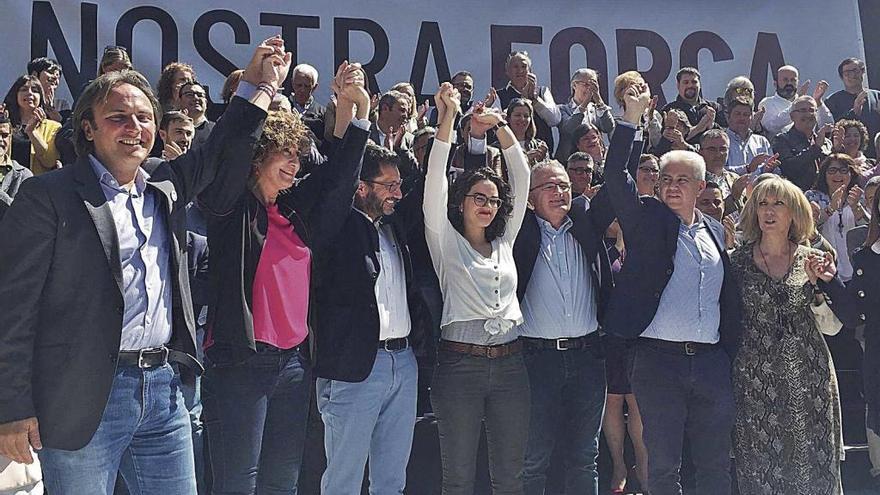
<point x="767" y="265"/>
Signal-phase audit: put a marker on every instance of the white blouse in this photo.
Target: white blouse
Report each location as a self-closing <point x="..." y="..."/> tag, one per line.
<point x="474" y="287"/>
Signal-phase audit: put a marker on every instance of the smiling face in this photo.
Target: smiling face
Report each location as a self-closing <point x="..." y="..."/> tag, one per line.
<point x="181" y="77"/>
<point x="479" y="216"/>
<point x="28" y="96"/>
<point x="194" y="100"/>
<point x="803" y="115"/>
<point x="590" y="142"/>
<point x="123" y="128"/>
<point x="551" y="194"/>
<point x="852" y="140"/>
<point x="277" y="171"/>
<point x="714" y="151"/>
<point x="379" y="195"/>
<point x="837" y="174"/>
<point x="50" y="80"/>
<point x="739" y="119"/>
<point x="520" y="121"/>
<point x="853" y="75"/>
<point x="517" y="70"/>
<point x="465" y="86"/>
<point x="180" y="132"/>
<point x="711" y="202"/>
<point x="689" y="87"/>
<point x="581" y="86"/>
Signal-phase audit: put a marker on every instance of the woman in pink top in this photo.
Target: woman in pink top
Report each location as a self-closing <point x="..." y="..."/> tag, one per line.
<point x="262" y="230"/>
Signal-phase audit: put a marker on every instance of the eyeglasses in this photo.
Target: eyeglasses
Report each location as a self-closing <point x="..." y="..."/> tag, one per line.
<point x="717" y="149"/>
<point x="194" y="94"/>
<point x="391" y="187"/>
<point x="649" y="170"/>
<point x="482" y="200"/>
<point x="838" y="171"/>
<point x="581" y="170"/>
<point x="562" y="187"/>
<point x="854" y="72"/>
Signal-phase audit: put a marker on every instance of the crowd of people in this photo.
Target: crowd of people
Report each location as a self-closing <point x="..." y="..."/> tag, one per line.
<point x="178" y="294"/>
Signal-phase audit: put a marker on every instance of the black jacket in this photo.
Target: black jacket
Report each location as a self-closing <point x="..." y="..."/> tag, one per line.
<point x="799" y="158"/>
<point x="61" y="301"/>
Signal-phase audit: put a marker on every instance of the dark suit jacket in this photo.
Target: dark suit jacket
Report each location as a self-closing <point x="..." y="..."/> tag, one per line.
<point x="61" y="301"/>
<point x="346" y="317"/>
<point x="588" y="228"/>
<point x="799" y="159"/>
<point x="650" y="230"/>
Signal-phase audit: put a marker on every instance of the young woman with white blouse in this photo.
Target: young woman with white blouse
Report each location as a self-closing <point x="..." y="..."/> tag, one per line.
<point x="470" y="230"/>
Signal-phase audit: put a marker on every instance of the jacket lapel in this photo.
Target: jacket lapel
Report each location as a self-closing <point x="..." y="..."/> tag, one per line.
<point x="96" y="204"/>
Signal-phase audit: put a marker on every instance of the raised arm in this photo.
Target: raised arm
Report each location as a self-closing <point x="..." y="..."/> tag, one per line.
<point x="518" y="170"/>
<point x="436" y="184"/>
<point x="621" y="186"/>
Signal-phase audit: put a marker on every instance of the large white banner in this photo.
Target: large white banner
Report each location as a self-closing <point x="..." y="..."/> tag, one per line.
<point x="425" y="41"/>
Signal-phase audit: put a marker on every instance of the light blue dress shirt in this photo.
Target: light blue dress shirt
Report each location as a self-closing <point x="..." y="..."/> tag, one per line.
<point x="560" y="300"/>
<point x="743" y="151"/>
<point x="690" y="307"/>
<point x="145" y="259"/>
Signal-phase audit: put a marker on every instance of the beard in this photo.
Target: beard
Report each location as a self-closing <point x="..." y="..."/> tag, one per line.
<point x="690" y="93"/>
<point x="787" y="91"/>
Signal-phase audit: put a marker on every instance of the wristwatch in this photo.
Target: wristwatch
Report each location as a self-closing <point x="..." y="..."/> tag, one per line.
<point x="499" y="125"/>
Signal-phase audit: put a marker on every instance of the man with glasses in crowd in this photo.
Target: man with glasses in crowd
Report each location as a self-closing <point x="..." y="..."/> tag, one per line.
<point x="801" y="148"/>
<point x="856" y="101"/>
<point x="194" y="100"/>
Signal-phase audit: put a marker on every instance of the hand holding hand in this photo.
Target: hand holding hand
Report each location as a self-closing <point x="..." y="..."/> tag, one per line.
<point x="269" y="64"/>
<point x="483" y="119"/>
<point x="837" y="138"/>
<point x="17" y="438"/>
<point x="820" y="267"/>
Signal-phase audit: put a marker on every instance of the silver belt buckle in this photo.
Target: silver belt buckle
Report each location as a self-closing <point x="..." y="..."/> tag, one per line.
<point x="690" y="349"/>
<point x="142" y="364"/>
<point x="559" y="344"/>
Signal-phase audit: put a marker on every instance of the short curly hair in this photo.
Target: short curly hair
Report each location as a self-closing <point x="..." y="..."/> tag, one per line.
<point x="863" y="131"/>
<point x="165" y="86"/>
<point x="462" y="186"/>
<point x="282" y="130"/>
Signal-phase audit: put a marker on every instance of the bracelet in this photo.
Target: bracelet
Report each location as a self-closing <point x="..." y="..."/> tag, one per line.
<point x="268" y="89"/>
<point x="499" y="125"/>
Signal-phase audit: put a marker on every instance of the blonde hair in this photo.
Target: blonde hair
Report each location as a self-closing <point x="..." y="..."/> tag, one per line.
<point x="624" y="81"/>
<point x="802" y="227"/>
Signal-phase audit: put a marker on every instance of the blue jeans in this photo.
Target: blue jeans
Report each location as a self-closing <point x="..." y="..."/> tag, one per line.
<point x="193" y="399"/>
<point x="568" y="400"/>
<point x="468" y="392"/>
<point x="144" y="433"/>
<point x="255" y="414"/>
<point x="682" y="395"/>
<point x="370" y="419"/>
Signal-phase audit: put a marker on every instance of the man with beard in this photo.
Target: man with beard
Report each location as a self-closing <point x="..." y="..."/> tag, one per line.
<point x="702" y="114"/>
<point x="776" y="108"/>
<point x="11" y="173"/>
<point x="177" y="131"/>
<point x="194" y="100"/>
<point x="856" y="101"/>
<point x="366" y="369"/>
<point x="802" y="147"/>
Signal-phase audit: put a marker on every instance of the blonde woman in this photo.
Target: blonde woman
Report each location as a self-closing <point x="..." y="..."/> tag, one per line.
<point x="788" y="428"/>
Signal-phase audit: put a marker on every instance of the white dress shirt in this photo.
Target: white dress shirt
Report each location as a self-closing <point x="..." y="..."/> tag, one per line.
<point x="777" y="118"/>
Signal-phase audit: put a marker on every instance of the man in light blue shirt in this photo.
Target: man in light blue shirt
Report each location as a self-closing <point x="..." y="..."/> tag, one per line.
<point x="562" y="264"/>
<point x="749" y="153"/>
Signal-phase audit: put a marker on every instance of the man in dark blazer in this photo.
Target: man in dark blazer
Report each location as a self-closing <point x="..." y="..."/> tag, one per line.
<point x="97" y="305"/>
<point x="564" y="278"/>
<point x="367" y="373"/>
<point x="676" y="291"/>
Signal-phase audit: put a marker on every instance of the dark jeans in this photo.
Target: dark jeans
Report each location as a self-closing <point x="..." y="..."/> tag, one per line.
<point x="682" y="395"/>
<point x="466" y="389"/>
<point x="255" y="416"/>
<point x="568" y="400"/>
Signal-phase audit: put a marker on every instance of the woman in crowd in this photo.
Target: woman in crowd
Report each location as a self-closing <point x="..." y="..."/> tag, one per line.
<point x="652" y="120"/>
<point x="851" y="138"/>
<point x="115" y="58"/>
<point x="172" y="78"/>
<point x="33" y="135"/>
<point x="838" y="197"/>
<point x="588" y="139"/>
<point x="470" y="230"/>
<point x="521" y="117"/>
<point x="788" y="424"/>
<point x="261" y="233"/>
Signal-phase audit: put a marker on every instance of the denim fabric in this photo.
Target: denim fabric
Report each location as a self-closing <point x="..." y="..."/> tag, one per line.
<point x="568" y="401"/>
<point x="680" y="396"/>
<point x="370" y="419"/>
<point x="255" y="414"/>
<point x="144" y="433"/>
<point x="467" y="389"/>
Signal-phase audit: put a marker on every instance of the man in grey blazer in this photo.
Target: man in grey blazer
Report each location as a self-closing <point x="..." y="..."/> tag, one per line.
<point x="96" y="307"/>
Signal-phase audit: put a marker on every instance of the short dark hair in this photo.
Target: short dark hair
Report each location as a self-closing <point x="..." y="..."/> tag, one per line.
<point x="374" y="157"/>
<point x="391" y="97"/>
<point x="462" y="73"/>
<point x="38" y="65"/>
<point x="11" y="99"/>
<point x="462" y="186"/>
<point x="847" y="61"/>
<point x="712" y="185"/>
<point x="173" y="116"/>
<point x="581" y="131"/>
<point x="188" y="84"/>
<point x="686" y="70"/>
<point x="578" y="156"/>
<point x="96" y="92"/>
<point x="822" y="184"/>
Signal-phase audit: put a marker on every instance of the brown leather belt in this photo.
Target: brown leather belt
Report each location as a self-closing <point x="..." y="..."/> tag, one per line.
<point x="486" y="351"/>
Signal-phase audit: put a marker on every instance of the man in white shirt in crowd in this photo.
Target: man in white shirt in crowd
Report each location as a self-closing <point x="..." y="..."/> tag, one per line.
<point x="776" y="108"/>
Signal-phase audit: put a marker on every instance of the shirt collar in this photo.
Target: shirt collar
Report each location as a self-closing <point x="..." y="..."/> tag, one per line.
<point x="376" y="223"/>
<point x="548" y="228"/>
<point x="107" y="179"/>
<point x="698" y="223"/>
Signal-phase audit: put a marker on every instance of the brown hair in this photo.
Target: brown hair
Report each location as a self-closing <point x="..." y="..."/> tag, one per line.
<point x="624" y="81"/>
<point x="165" y="87"/>
<point x="230" y="85"/>
<point x="282" y="130"/>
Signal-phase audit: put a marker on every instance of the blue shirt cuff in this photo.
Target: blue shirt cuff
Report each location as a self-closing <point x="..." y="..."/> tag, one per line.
<point x="245" y="90"/>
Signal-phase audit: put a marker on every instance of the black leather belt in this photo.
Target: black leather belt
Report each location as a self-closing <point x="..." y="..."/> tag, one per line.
<point x="684" y="348"/>
<point x="394" y="344"/>
<point x="564" y="344"/>
<point x="155" y="357"/>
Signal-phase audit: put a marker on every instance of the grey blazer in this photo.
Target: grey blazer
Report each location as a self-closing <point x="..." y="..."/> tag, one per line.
<point x="10" y="184"/>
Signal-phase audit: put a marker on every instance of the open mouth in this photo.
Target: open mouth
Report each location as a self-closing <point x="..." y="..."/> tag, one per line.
<point x="132" y="142"/>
